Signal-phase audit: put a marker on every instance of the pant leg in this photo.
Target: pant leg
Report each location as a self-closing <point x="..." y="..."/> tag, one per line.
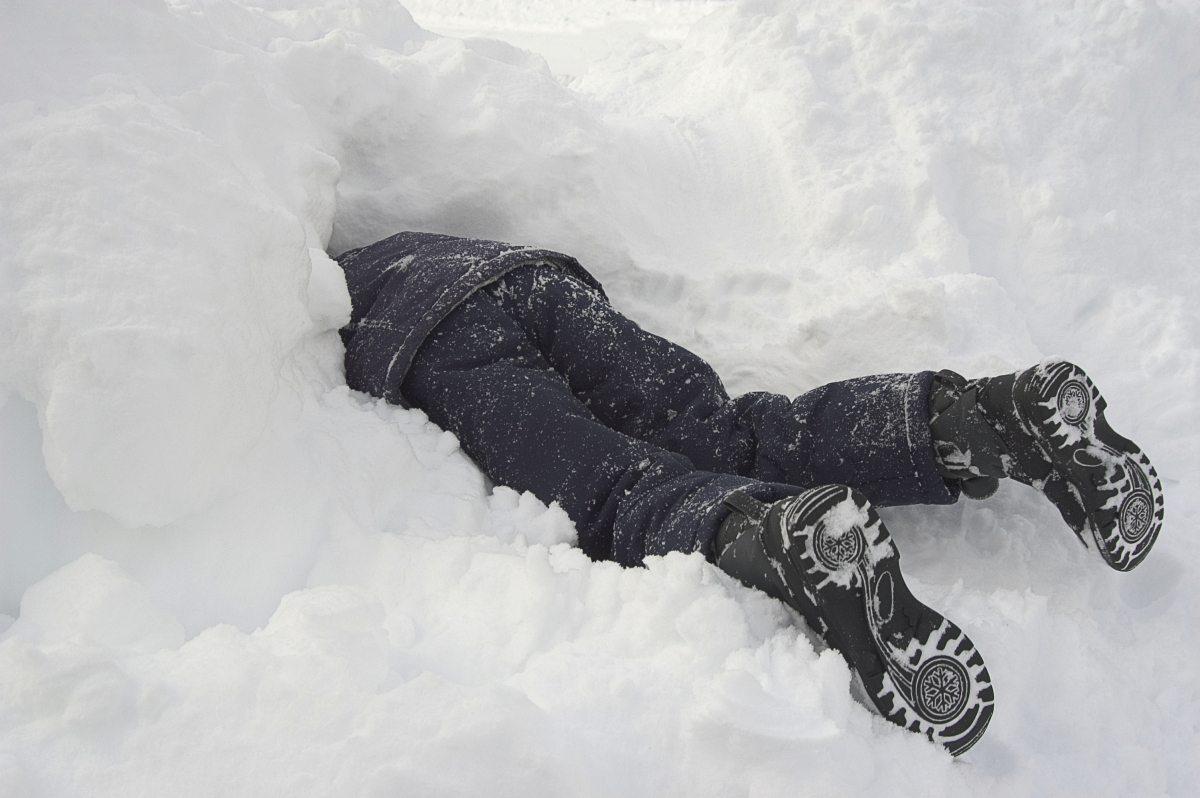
<point x="871" y="433"/>
<point x="481" y="377"/>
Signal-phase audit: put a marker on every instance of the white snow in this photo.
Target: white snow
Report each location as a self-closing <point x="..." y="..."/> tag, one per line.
<point x="221" y="572"/>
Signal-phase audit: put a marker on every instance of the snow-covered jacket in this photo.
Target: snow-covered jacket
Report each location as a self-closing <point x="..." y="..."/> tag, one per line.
<point x="403" y="286"/>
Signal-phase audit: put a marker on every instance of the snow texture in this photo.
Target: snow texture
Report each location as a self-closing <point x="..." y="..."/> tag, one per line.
<point x="222" y="572"/>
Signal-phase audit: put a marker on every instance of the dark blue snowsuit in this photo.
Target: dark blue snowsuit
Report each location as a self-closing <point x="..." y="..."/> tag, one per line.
<point x="549" y="389"/>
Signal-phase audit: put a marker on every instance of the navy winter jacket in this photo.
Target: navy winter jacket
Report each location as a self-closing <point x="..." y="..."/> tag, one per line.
<point x="403" y="286"/>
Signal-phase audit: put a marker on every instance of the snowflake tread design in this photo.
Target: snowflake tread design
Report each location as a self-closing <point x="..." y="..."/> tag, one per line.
<point x="1120" y="490"/>
<point x="841" y="570"/>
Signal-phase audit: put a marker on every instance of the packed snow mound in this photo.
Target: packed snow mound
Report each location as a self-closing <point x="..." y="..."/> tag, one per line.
<point x="164" y="209"/>
<point x="223" y="571"/>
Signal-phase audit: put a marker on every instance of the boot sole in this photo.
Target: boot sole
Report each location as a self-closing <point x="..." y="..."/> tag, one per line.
<point x="1118" y="487"/>
<point x="918" y="669"/>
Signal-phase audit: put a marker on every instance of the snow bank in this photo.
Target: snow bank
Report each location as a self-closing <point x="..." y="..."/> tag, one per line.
<point x="570" y="36"/>
<point x="161" y="207"/>
<point x="220" y="570"/>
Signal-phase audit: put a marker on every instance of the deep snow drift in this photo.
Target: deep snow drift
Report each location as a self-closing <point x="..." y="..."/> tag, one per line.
<point x="223" y="572"/>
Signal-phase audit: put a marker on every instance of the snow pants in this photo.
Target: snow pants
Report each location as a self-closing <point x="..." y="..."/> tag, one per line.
<point x="551" y="390"/>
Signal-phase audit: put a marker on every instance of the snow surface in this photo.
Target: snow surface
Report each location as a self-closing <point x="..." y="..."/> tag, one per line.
<point x="221" y="572"/>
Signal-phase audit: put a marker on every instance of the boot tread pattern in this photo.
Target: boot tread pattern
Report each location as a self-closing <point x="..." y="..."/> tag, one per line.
<point x="918" y="669"/>
<point x="1118" y="487"/>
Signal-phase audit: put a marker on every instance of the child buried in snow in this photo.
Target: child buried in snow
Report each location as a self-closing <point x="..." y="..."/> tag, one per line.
<point x="551" y="390"/>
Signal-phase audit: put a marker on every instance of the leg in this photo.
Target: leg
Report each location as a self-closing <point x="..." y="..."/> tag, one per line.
<point x="871" y="433"/>
<point x="480" y="377"/>
<point x="1045" y="426"/>
<point x="827" y="554"/>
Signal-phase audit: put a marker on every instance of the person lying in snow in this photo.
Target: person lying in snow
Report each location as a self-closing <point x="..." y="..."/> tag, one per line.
<point x="518" y="352"/>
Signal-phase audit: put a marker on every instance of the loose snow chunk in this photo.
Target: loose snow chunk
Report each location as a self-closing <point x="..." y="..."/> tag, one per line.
<point x="93" y="602"/>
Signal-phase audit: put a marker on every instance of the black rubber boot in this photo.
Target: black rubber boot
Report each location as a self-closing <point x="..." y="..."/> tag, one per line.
<point x="827" y="554"/>
<point x="1045" y="427"/>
